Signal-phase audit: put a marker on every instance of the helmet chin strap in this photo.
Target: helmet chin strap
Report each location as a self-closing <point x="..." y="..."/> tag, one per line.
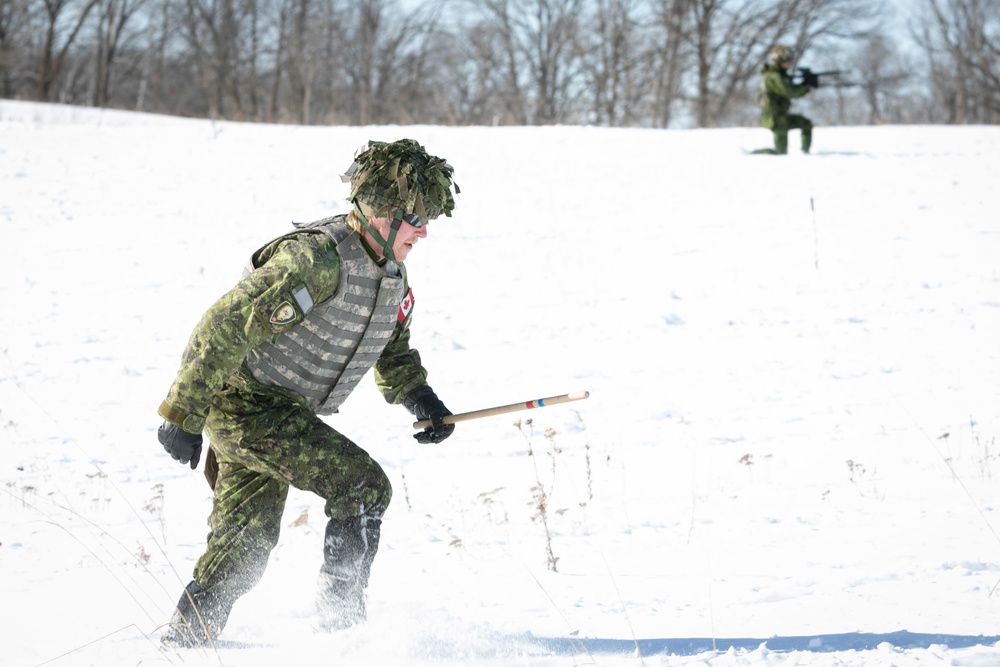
<point x="370" y="228"/>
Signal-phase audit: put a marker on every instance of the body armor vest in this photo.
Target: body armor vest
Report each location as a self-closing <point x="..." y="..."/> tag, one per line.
<point x="324" y="356"/>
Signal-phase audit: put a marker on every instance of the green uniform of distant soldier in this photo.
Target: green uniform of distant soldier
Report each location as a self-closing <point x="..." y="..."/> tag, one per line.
<point x="316" y="309"/>
<point x="775" y="97"/>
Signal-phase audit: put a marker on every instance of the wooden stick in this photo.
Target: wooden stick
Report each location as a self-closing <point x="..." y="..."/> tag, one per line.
<point x="503" y="409"/>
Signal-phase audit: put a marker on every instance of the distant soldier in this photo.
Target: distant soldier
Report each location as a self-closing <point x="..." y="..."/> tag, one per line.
<point x="775" y="97"/>
<point x="315" y="310"/>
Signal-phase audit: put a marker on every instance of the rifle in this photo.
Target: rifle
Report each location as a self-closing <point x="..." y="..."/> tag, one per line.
<point x="811" y="78"/>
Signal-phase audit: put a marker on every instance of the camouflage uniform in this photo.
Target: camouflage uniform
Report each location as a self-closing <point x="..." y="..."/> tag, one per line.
<point x="775" y="97"/>
<point x="266" y="437"/>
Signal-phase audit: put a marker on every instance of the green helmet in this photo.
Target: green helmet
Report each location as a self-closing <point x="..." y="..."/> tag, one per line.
<point x="781" y="54"/>
<point x="401" y="179"/>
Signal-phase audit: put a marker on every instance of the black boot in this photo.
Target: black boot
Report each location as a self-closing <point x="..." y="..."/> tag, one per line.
<point x="198" y="618"/>
<point x="348" y="551"/>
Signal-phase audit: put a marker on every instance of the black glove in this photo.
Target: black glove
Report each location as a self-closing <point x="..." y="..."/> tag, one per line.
<point x="423" y="403"/>
<point x="180" y="444"/>
<point x="812" y="80"/>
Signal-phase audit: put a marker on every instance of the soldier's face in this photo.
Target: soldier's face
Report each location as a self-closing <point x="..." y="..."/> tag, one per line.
<point x="406" y="237"/>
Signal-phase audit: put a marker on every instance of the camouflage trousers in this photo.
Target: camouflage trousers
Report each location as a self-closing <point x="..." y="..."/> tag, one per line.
<point x="782" y="124"/>
<point x="264" y="440"/>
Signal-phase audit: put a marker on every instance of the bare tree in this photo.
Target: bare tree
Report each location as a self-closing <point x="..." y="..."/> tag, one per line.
<point x="495" y="81"/>
<point x="225" y="37"/>
<point x="165" y="69"/>
<point x="539" y="39"/>
<point x="370" y="56"/>
<point x="14" y="27"/>
<point x="962" y="41"/>
<point x="668" y="57"/>
<point x="614" y="65"/>
<point x="63" y="21"/>
<point x="388" y="64"/>
<point x="484" y="90"/>
<point x="880" y="74"/>
<point x="296" y="28"/>
<point x="113" y="18"/>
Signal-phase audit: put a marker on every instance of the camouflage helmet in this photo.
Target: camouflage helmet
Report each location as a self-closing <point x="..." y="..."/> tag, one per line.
<point x="781" y="54"/>
<point x="400" y="179"/>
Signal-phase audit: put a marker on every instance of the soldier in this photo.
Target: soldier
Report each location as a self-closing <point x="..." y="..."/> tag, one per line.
<point x="315" y="309"/>
<point x="775" y="98"/>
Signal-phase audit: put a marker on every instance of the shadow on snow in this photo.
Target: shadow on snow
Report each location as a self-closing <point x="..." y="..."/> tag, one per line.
<point x="851" y="641"/>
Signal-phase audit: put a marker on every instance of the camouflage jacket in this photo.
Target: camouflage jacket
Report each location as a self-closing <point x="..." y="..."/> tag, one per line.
<point x="776" y="92"/>
<point x="243" y="319"/>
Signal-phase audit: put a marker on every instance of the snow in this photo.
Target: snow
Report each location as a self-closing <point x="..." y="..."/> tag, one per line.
<point x="787" y="455"/>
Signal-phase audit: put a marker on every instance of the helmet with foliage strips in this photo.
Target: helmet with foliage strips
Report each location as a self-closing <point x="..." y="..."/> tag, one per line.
<point x="400" y="181"/>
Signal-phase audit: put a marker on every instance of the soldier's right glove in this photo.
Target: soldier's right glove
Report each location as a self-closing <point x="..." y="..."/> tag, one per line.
<point x="180" y="444"/>
<point x="424" y="404"/>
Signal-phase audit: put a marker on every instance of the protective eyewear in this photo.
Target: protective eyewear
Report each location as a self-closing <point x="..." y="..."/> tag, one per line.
<point x="413" y="220"/>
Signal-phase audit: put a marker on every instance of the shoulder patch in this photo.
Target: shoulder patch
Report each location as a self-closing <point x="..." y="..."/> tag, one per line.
<point x="283" y="314"/>
<point x="405" y="307"/>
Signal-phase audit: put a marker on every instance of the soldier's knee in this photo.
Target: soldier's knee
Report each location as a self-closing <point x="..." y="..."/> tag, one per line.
<point x="373" y="492"/>
<point x="383" y="493"/>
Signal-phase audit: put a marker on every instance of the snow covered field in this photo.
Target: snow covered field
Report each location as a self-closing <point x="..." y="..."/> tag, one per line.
<point x="789" y="455"/>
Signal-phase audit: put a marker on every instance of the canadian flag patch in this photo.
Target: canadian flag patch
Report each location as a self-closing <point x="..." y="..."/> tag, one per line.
<point x="406" y="306"/>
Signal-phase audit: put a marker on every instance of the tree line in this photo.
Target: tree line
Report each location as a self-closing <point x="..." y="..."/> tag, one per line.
<point x="617" y="63"/>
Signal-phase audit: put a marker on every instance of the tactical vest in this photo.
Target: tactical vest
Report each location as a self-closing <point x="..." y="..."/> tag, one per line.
<point x="324" y="356"/>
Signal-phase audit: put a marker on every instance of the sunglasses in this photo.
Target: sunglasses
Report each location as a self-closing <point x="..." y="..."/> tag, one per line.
<point x="413" y="220"/>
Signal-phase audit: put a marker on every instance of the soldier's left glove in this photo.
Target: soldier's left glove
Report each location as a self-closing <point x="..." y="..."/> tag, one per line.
<point x="423" y="403"/>
<point x="180" y="444"/>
